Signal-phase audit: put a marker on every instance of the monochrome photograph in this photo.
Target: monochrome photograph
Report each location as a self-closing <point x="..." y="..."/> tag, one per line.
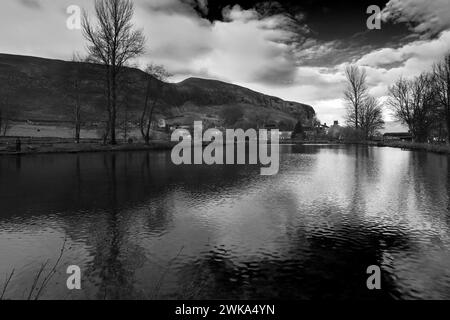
<point x="248" y="151"/>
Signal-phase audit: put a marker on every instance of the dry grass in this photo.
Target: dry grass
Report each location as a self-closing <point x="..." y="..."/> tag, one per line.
<point x="163" y="275"/>
<point x="41" y="280"/>
<point x="5" y="286"/>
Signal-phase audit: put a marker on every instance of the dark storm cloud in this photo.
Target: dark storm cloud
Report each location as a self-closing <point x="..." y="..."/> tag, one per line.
<point x="316" y="33"/>
<point x="199" y="5"/>
<point x="172" y="7"/>
<point x="282" y="75"/>
<point x="327" y="19"/>
<point x="183" y="7"/>
<point x="427" y="18"/>
<point x="296" y="50"/>
<point x="340" y="25"/>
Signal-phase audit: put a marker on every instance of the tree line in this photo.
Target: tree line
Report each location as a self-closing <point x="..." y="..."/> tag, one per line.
<point x="113" y="42"/>
<point x="421" y="103"/>
<point x="364" y="111"/>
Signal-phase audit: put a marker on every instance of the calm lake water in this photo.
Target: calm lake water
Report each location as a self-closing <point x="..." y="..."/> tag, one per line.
<point x="142" y="228"/>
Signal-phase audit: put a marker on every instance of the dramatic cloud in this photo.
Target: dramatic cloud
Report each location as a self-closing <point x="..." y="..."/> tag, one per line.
<point x="295" y="52"/>
<point x="244" y="48"/>
<point x="39" y="28"/>
<point x="185" y="7"/>
<point x="411" y="58"/>
<point x="202" y="5"/>
<point x="426" y="17"/>
<point x="386" y="65"/>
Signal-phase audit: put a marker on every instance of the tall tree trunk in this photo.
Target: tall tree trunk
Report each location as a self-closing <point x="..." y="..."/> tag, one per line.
<point x="149" y="124"/>
<point x="77" y="129"/>
<point x="113" y="107"/>
<point x="77" y="114"/>
<point x="108" y="94"/>
<point x="447" y="118"/>
<point x="447" y="109"/>
<point x="1" y="119"/>
<point x="144" y="132"/>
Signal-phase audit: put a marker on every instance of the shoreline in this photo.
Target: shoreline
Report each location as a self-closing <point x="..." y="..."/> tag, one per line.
<point x="442" y="149"/>
<point x="62" y="146"/>
<point x="34" y="146"/>
<point x="86" y="147"/>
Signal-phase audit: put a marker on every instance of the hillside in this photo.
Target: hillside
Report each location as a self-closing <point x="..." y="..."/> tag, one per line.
<point x="43" y="89"/>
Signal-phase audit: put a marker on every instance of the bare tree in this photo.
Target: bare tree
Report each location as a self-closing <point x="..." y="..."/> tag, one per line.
<point x="156" y="75"/>
<point x="355" y="93"/>
<point x="441" y="72"/>
<point x="127" y="86"/>
<point x="371" y="117"/>
<point x="5" y="115"/>
<point x="413" y="102"/>
<point x="113" y="42"/>
<point x="75" y="94"/>
<point x="286" y="125"/>
<point x="7" y="110"/>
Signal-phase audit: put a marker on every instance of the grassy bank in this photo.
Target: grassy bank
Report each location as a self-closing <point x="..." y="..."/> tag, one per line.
<point x="60" y="145"/>
<point x="436" y="148"/>
<point x="415" y="146"/>
<point x="38" y="146"/>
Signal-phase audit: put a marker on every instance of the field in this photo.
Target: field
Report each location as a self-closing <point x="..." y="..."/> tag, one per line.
<point x="48" y="131"/>
<point x="45" y="138"/>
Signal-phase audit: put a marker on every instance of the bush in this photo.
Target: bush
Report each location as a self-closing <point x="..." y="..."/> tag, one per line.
<point x="231" y="115"/>
<point x="286" y="125"/>
<point x="352" y="134"/>
<point x="299" y="132"/>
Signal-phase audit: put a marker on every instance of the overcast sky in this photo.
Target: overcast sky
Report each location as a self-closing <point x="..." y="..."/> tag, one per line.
<point x="292" y="49"/>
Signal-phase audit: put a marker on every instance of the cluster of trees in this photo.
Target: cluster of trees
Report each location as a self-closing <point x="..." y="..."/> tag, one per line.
<point x="231" y="115"/>
<point x="113" y="42"/>
<point x="234" y="116"/>
<point x="364" y="112"/>
<point x="156" y="74"/>
<point x="423" y="103"/>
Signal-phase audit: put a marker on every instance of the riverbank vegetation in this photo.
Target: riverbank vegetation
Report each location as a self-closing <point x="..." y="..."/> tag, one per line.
<point x="364" y="112"/>
<point x="408" y="145"/>
<point x="58" y="145"/>
<point x="421" y="103"/>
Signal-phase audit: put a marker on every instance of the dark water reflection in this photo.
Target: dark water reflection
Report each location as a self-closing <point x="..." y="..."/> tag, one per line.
<point x="142" y="228"/>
